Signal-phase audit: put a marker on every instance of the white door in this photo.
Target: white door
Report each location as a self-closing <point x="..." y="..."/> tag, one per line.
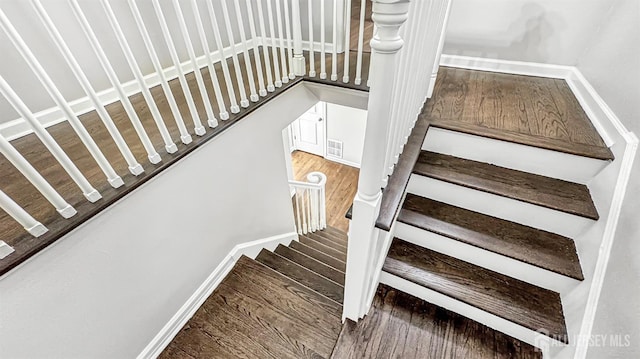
<point x="308" y="133"/>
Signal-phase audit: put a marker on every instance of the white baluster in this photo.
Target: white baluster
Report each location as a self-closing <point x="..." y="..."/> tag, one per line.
<point x="283" y="56"/>
<point x="195" y="117"/>
<point x="224" y="115"/>
<point x="36" y="179"/>
<point x="312" y="65"/>
<point x="347" y="42"/>
<point x="153" y="156"/>
<point x="112" y="177"/>
<point x="212" y="121"/>
<point x="134" y="167"/>
<point x="245" y="52"/>
<point x="298" y="57"/>
<point x="298" y="211"/>
<point x="334" y="53"/>
<point x="274" y="51"/>
<point x="308" y="208"/>
<point x="256" y="51"/>
<point x="323" y="53"/>
<point x="265" y="50"/>
<point x="436" y="62"/>
<point x="32" y="226"/>
<point x="358" y="79"/>
<point x="170" y="147"/>
<point x="244" y="102"/>
<point x="287" y="26"/>
<point x="5" y="250"/>
<point x="223" y="60"/>
<point x="388" y="16"/>
<point x="88" y="191"/>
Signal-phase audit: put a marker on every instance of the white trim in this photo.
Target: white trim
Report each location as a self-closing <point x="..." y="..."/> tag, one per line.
<point x="342" y="161"/>
<point x="5" y="249"/>
<point x="52" y="116"/>
<point x="607" y="241"/>
<point x="188" y="309"/>
<point x="506" y="66"/>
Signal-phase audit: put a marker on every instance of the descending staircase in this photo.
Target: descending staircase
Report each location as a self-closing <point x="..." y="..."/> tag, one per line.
<point x="284" y="304"/>
<point x="492" y="243"/>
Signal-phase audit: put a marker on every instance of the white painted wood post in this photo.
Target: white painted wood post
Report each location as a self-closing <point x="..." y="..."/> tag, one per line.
<point x="244" y="102"/>
<point x="262" y="91"/>
<point x="32" y="226"/>
<point x="388" y="16"/>
<point x="347" y="41"/>
<point x="323" y="45"/>
<point x="90" y="193"/>
<point x="334" y="41"/>
<point x="223" y="61"/>
<point x="224" y="115"/>
<point x="212" y="121"/>
<point x="358" y="79"/>
<point x="253" y="94"/>
<point x="36" y="179"/>
<point x="299" y="65"/>
<point x="152" y="154"/>
<point x="265" y="49"/>
<point x="312" y="64"/>
<point x="134" y="167"/>
<point x="287" y="26"/>
<point x="169" y="146"/>
<point x="283" y="55"/>
<point x="44" y="78"/>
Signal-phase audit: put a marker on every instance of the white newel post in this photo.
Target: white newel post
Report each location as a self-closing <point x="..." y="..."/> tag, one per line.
<point x="388" y="16"/>
<point x="298" y="58"/>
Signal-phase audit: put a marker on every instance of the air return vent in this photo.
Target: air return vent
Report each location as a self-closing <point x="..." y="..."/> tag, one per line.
<point x="334" y="148"/>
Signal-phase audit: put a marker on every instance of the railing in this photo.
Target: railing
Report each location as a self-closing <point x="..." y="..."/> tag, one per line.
<point x="309" y="203"/>
<point x="389" y="123"/>
<point x="210" y="31"/>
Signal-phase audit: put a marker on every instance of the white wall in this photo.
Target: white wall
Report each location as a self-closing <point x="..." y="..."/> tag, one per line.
<point x="547" y="31"/>
<point x="347" y="124"/>
<point x="106" y="289"/>
<point x="611" y="63"/>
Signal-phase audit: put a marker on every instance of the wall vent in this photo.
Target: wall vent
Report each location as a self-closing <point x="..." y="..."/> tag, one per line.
<point x="334" y="148"/>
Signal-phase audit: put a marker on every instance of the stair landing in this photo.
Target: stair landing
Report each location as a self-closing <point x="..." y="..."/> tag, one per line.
<point x="534" y="111"/>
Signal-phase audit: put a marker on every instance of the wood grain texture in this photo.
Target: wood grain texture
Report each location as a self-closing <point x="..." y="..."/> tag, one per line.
<point x="310" y="242"/>
<point x="302" y="275"/>
<point x="519" y="302"/>
<point x="539" y="190"/>
<point x="311" y="264"/>
<point x="327" y="242"/>
<point x="530" y="245"/>
<point x="318" y="255"/>
<point x="342" y="183"/>
<point x="530" y="110"/>
<point x="337" y="239"/>
<point x="401" y="326"/>
<point x="258" y="313"/>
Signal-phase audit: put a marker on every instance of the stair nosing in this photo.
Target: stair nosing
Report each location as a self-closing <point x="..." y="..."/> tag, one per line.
<point x="595" y="216"/>
<point x="304" y="269"/>
<point x="310" y="259"/>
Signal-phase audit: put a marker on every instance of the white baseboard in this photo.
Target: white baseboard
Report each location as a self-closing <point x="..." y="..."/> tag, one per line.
<point x="182" y="316"/>
<point x="506" y="66"/>
<point x="342" y="161"/>
<point x="53" y="115"/>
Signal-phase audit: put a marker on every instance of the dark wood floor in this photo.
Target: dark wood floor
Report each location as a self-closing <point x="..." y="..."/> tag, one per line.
<point x="342" y="184"/>
<point x="534" y="111"/>
<point x="402" y="326"/>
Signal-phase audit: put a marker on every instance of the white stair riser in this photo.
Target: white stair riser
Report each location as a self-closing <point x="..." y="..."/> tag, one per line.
<point x="531" y="215"/>
<point x="524" y="158"/>
<point x="483" y="258"/>
<point x="492" y="321"/>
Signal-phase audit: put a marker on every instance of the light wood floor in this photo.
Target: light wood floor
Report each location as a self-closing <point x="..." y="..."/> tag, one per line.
<point x="342" y="184"/>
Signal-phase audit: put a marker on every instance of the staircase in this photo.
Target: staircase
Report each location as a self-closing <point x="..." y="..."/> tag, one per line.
<point x="284" y="304"/>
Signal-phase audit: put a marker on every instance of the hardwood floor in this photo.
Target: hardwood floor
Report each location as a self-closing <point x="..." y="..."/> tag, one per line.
<point x="402" y="326"/>
<point x="535" y="111"/>
<point x="342" y="184"/>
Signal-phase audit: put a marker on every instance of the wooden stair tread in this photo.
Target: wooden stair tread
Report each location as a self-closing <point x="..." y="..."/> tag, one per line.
<point x="337" y="233"/>
<point x="547" y="192"/>
<point x="302" y="275"/>
<point x="322" y="248"/>
<point x="422" y="330"/>
<point x="332" y="237"/>
<point x="326" y="241"/>
<point x="522" y="303"/>
<point x="530" y="245"/>
<point x="578" y="149"/>
<point x="311" y="264"/>
<point x="316" y="254"/>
